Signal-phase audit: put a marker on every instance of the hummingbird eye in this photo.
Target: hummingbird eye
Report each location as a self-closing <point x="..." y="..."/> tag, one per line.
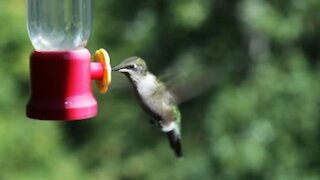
<point x="131" y="66"/>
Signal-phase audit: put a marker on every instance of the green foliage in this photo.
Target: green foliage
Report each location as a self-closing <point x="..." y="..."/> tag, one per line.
<point x="265" y="128"/>
<point x="260" y="121"/>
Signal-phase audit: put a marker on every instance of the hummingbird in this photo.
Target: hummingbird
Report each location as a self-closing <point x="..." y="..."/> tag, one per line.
<point x="155" y="99"/>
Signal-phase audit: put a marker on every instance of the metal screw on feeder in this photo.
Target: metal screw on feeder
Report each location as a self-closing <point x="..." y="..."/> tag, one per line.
<point x="61" y="70"/>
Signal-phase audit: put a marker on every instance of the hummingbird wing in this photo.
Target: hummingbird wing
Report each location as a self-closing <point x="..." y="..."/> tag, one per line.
<point x="188" y="78"/>
<point x="190" y="88"/>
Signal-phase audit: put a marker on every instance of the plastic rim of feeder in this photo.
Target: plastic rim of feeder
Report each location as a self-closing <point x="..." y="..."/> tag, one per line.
<point x="103" y="57"/>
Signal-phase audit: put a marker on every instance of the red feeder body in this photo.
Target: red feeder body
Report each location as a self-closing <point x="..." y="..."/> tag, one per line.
<point x="61" y="85"/>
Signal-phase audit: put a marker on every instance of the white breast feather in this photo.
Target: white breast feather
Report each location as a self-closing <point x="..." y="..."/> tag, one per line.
<point x="147" y="85"/>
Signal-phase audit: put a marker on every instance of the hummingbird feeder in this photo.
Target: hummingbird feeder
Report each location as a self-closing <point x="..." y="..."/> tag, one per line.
<point x="61" y="70"/>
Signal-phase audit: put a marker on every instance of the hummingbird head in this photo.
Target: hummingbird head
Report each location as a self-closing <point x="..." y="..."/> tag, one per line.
<point x="132" y="66"/>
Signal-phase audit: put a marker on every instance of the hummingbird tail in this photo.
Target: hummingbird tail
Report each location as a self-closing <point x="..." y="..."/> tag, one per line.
<point x="175" y="143"/>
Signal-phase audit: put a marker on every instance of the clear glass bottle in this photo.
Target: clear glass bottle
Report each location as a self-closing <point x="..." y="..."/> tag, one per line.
<point x="59" y="25"/>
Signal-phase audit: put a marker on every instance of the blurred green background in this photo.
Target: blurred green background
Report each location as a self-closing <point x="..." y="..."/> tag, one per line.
<point x="260" y="120"/>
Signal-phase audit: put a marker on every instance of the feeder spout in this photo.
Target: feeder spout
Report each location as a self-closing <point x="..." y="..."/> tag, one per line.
<point x="96" y="70"/>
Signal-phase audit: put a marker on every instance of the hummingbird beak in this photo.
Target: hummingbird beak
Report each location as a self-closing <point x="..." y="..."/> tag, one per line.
<point x="115" y="68"/>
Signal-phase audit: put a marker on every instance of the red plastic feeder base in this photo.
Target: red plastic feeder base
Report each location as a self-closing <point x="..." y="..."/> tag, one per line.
<point x="61" y="86"/>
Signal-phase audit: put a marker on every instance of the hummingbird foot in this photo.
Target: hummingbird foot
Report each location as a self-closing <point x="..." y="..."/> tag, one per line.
<point x="155" y="123"/>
